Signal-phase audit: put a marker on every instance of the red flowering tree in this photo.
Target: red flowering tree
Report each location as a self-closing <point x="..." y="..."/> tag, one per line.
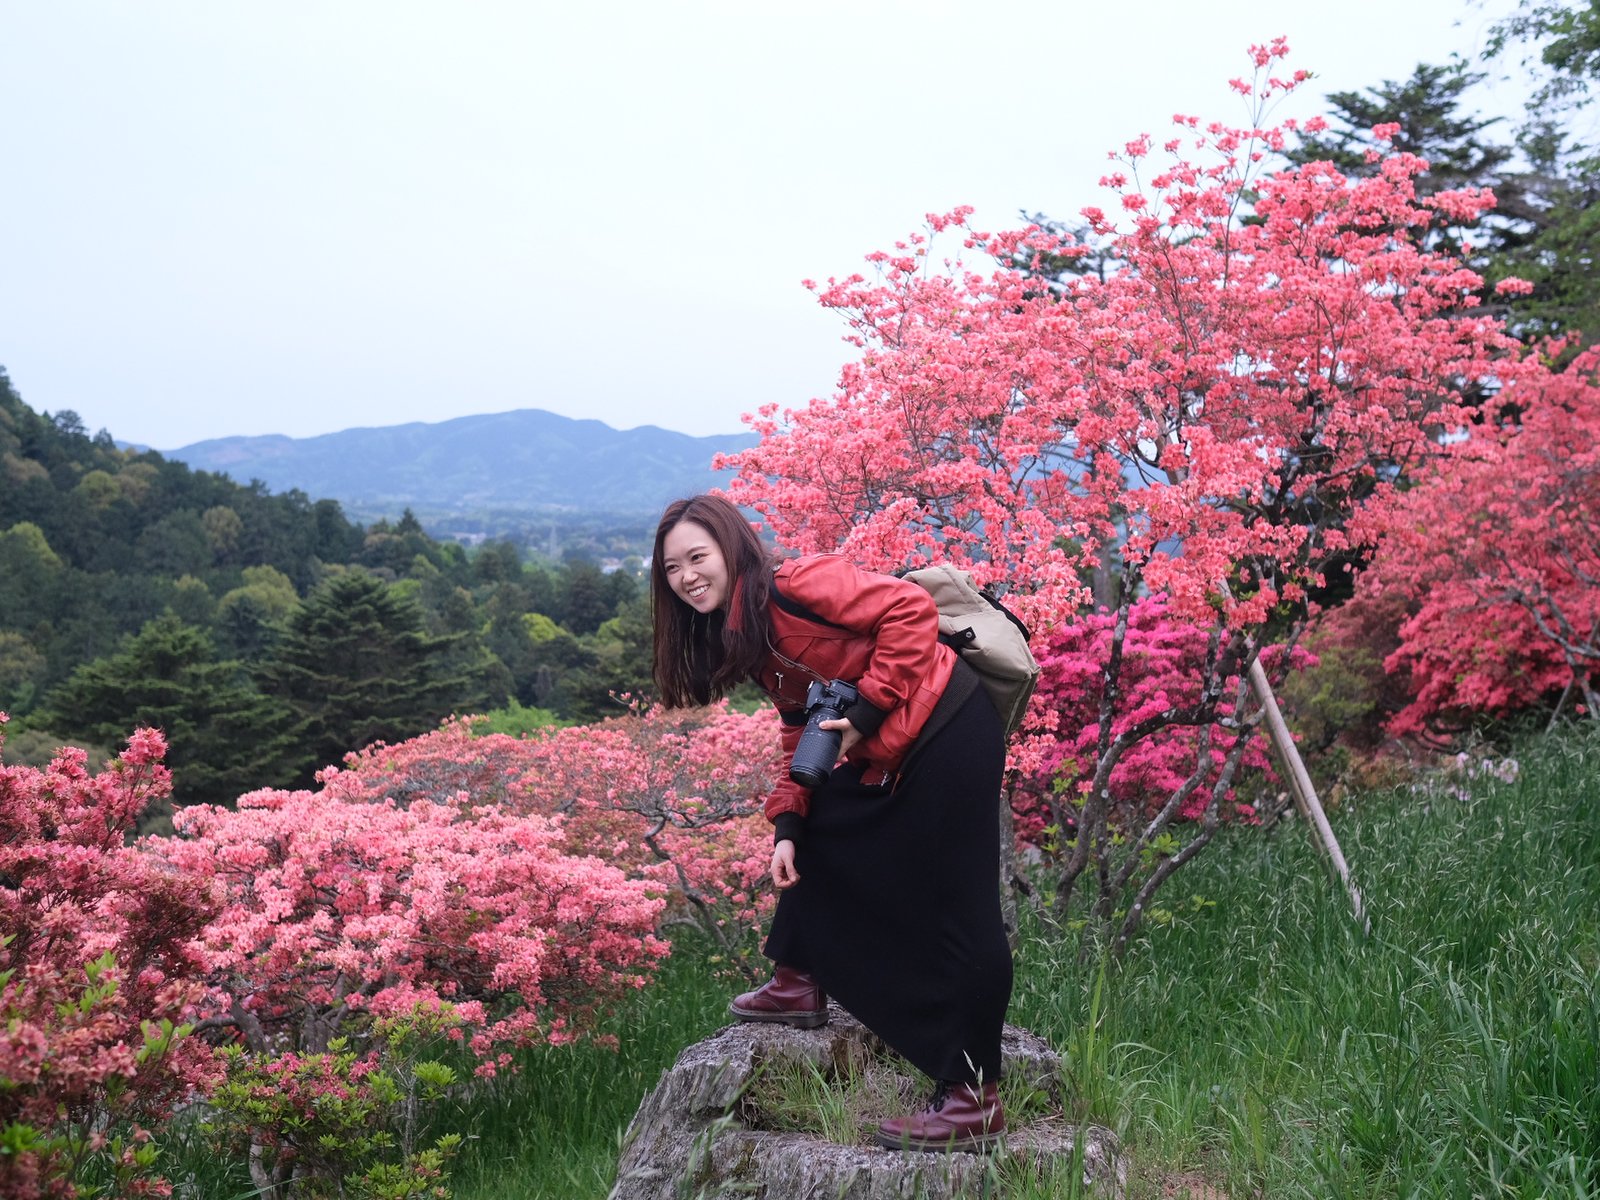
<point x="1210" y="419"/>
<point x="97" y="977"/>
<point x="1494" y="555"/>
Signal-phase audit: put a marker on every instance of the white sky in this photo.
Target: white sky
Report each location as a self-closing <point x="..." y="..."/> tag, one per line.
<point x="296" y="217"/>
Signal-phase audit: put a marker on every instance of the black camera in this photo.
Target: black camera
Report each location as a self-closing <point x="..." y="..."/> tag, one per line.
<point x="819" y="748"/>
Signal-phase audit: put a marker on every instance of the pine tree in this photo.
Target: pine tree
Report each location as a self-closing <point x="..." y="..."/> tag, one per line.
<point x="1560" y="43"/>
<point x="1427" y="109"/>
<point x="357" y="666"/>
<point x="1542" y="228"/>
<point x="225" y="736"/>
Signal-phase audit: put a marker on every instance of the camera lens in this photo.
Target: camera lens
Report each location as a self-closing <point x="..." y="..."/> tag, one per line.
<point x="817" y="751"/>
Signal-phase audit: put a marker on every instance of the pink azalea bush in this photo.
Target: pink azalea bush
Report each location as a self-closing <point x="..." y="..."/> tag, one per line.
<point x="1494" y="559"/>
<point x="98" y="977"/>
<point x="335" y="907"/>
<point x="676" y="797"/>
<point x="673" y="798"/>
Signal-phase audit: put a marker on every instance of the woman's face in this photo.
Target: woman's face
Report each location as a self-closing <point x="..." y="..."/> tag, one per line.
<point x="695" y="571"/>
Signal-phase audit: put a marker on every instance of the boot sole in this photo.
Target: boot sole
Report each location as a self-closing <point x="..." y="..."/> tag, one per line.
<point x="969" y="1145"/>
<point x="797" y="1020"/>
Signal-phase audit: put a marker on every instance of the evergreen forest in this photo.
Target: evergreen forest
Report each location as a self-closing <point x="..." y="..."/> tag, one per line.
<point x="268" y="634"/>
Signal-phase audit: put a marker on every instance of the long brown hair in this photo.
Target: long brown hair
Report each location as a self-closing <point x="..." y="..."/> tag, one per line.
<point x="701" y="657"/>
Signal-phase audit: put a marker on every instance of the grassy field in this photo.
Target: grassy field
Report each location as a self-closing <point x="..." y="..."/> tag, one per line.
<point x="1259" y="1043"/>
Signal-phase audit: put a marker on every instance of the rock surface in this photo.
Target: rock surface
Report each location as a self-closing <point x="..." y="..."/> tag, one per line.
<point x="773" y="1113"/>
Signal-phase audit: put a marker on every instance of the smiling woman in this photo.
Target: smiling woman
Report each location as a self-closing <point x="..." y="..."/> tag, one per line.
<point x="888" y="868"/>
<point x="693" y="566"/>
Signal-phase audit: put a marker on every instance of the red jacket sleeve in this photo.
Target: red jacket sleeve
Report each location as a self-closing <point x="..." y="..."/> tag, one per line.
<point x="900" y="618"/>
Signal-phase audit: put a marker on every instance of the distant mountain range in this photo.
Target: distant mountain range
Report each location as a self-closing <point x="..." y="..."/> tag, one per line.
<point x="524" y="462"/>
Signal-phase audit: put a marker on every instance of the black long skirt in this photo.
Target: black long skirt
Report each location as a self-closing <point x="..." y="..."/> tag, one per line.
<point x="897" y="912"/>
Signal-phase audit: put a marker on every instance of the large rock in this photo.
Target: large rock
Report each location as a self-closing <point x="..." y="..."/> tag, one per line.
<point x="769" y="1112"/>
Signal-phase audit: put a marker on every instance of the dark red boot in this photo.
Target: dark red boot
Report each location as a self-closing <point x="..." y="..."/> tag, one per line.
<point x="790" y="997"/>
<point x="961" y="1116"/>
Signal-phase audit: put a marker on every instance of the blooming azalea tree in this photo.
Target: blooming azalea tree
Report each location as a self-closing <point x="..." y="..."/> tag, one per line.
<point x="1493" y="554"/>
<point x="97" y="977"/>
<point x="1209" y="421"/>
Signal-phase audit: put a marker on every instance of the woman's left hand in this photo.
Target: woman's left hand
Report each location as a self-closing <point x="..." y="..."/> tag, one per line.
<point x="849" y="735"/>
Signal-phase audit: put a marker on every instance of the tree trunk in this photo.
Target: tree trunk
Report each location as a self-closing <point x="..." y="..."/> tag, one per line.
<point x="1008" y="872"/>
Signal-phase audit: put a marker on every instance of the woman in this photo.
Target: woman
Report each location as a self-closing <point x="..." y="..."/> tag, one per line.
<point x="887" y="871"/>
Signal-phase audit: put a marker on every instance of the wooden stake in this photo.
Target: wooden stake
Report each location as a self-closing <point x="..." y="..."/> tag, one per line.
<point x="1300" y="786"/>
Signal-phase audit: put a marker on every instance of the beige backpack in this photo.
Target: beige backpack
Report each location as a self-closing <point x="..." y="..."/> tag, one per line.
<point x="988" y="636"/>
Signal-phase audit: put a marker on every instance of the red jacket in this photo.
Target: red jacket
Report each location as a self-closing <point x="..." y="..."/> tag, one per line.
<point x="889" y="648"/>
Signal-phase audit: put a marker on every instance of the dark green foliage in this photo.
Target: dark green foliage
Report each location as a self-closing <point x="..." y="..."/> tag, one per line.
<point x="104" y="509"/>
<point x="585" y="599"/>
<point x="393" y="548"/>
<point x="1566" y="37"/>
<point x="224" y="736"/>
<point x="509" y="638"/>
<point x="1559" y="44"/>
<point x="249" y="619"/>
<point x="497" y="562"/>
<point x="1427" y="109"/>
<point x="93" y="539"/>
<point x="32" y="575"/>
<point x="623" y="650"/>
<point x="1560" y="257"/>
<point x="357" y="666"/>
<point x="560" y="676"/>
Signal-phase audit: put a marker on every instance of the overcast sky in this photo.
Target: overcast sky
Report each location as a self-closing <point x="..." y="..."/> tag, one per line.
<point x="245" y="218"/>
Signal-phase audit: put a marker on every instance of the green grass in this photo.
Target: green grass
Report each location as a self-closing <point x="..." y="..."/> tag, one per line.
<point x="553" y="1130"/>
<point x="1260" y="1042"/>
<point x="1269" y="1046"/>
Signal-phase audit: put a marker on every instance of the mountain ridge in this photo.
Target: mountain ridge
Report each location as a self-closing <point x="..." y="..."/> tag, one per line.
<point x="526" y="460"/>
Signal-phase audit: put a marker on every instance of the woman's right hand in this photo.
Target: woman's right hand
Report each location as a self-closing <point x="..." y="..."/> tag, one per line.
<point x="783" y="873"/>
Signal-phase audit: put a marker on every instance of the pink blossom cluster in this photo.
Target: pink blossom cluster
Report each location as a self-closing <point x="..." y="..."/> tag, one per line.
<point x="334" y="905"/>
<point x="97" y="970"/>
<point x="673" y="798"/>
<point x="1162" y="672"/>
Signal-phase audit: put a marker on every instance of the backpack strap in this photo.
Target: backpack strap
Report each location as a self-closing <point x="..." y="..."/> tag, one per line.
<point x="795" y="609"/>
<point x="957" y="639"/>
